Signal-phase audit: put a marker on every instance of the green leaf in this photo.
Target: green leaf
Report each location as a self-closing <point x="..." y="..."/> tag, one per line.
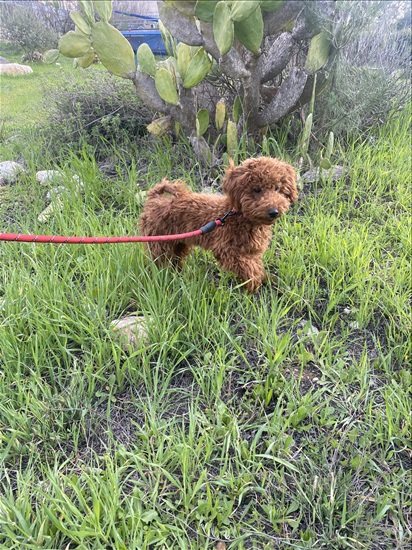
<point x="165" y="87"/>
<point x="149" y="516"/>
<point x="325" y="164"/>
<point x="202" y="122"/>
<point x="329" y="146"/>
<point x="51" y="56"/>
<point x="114" y="50"/>
<point x="88" y="10"/>
<point x="382" y="511"/>
<point x="242" y="9"/>
<point x="249" y="32"/>
<point x="104" y="9"/>
<point x="220" y="114"/>
<point x="146" y="60"/>
<point x="223" y="28"/>
<point x="74" y="44"/>
<point x="167" y="38"/>
<point x="204" y="10"/>
<point x="271" y="5"/>
<point x="87" y="59"/>
<point x="232" y="142"/>
<point x="237" y="109"/>
<point x="80" y="22"/>
<point x="305" y="138"/>
<point x="318" y="53"/>
<point x="184" y="56"/>
<point x="198" y="68"/>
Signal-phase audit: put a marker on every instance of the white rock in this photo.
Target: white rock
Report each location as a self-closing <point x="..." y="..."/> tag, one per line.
<point x="55" y="192"/>
<point x="15" y="69"/>
<point x="308" y="329"/>
<point x="335" y="173"/>
<point x="47" y="176"/>
<point x="54" y="176"/>
<point x="132" y="331"/>
<point x="9" y="172"/>
<point x="312" y="331"/>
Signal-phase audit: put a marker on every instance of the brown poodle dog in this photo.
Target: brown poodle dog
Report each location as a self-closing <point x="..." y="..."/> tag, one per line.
<point x="260" y="190"/>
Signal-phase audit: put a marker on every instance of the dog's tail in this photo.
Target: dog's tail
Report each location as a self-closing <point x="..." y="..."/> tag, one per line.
<point x="167" y="188"/>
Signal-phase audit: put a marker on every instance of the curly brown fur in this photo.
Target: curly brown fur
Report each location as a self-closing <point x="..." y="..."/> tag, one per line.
<point x="262" y="189"/>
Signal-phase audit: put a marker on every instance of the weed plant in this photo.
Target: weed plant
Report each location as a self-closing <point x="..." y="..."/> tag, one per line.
<point x="280" y="420"/>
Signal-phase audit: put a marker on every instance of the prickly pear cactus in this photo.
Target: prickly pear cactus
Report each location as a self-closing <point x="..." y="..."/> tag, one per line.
<point x="251" y="44"/>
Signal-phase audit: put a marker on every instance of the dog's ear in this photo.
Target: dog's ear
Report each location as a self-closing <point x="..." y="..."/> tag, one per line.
<point x="288" y="186"/>
<point x="234" y="183"/>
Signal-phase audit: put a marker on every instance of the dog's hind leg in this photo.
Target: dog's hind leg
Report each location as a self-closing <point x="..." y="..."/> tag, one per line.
<point x="169" y="252"/>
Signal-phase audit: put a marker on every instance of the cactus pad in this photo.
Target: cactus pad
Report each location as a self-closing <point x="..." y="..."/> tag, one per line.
<point x="223" y="30"/>
<point x="198" y="68"/>
<point x="74" y="44"/>
<point x="146" y="60"/>
<point x="80" y="22"/>
<point x="165" y="86"/>
<point x="114" y="50"/>
<point x="242" y="9"/>
<point x="249" y="31"/>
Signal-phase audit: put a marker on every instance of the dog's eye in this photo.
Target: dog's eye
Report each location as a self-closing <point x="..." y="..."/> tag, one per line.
<point x="257" y="190"/>
<point x="276" y="188"/>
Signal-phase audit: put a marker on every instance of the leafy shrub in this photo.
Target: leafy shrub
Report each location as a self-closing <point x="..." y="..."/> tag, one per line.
<point x="22" y="27"/>
<point x="101" y="109"/>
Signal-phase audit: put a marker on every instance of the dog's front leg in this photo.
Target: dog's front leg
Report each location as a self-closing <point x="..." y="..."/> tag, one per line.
<point x="248" y="268"/>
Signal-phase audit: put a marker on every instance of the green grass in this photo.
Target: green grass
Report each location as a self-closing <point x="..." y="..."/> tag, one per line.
<point x="21" y="101"/>
<point x="233" y="422"/>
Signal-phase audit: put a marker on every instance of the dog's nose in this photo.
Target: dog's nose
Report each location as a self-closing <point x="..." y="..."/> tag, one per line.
<point x="273" y="213"/>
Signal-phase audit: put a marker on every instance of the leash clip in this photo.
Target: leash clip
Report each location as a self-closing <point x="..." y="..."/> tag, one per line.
<point x="227" y="215"/>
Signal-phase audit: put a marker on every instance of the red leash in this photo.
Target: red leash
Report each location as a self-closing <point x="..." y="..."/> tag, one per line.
<point x="18" y="237"/>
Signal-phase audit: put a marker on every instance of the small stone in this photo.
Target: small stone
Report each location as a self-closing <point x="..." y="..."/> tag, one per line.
<point x="132" y="331"/>
<point x="334" y="173"/>
<point x="354" y="325"/>
<point x="47" y="176"/>
<point x="312" y="331"/>
<point x="56" y="191"/>
<point x="54" y="176"/>
<point x="347" y="311"/>
<point x="10" y="171"/>
<point x="308" y="328"/>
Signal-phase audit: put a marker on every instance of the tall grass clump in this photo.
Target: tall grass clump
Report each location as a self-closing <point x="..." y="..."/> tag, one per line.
<point x="370" y="76"/>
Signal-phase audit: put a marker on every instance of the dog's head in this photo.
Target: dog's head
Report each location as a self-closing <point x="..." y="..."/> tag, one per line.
<point x="261" y="188"/>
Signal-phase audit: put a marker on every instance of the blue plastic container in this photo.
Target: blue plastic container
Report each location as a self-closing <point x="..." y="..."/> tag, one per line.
<point x="151" y="37"/>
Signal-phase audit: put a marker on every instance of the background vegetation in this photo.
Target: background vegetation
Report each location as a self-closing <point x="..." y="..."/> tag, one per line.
<point x="280" y="420"/>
